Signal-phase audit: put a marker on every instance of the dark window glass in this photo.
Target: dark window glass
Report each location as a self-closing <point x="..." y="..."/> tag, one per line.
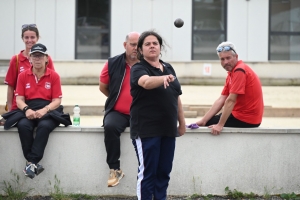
<point x="209" y="28"/>
<point x="92" y="29"/>
<point x="284" y="30"/>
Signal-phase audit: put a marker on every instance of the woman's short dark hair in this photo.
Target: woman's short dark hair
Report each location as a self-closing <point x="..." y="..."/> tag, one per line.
<point x="29" y="28"/>
<point x="142" y="39"/>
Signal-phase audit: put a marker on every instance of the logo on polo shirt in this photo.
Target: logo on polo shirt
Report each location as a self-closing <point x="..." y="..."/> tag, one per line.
<point x="27" y="85"/>
<point x="48" y="85"/>
<point x="22" y="69"/>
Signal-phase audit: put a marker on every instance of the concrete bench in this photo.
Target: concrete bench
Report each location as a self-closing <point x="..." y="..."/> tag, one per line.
<point x="190" y="111"/>
<point x="258" y="160"/>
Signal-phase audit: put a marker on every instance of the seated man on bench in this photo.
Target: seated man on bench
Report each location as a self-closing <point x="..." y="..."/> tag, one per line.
<point x="241" y="98"/>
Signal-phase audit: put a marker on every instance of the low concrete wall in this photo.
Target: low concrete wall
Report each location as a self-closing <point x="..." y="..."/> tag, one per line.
<point x="190" y="111"/>
<point x="259" y="160"/>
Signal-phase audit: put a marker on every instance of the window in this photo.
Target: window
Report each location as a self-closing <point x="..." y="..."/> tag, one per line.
<point x="209" y="28"/>
<point x="284" y="30"/>
<point x="92" y="29"/>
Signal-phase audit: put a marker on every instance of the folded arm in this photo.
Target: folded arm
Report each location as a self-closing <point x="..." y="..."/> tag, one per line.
<point x="31" y="114"/>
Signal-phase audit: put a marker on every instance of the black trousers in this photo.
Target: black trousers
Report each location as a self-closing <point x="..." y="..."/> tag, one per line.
<point x="114" y="124"/>
<point x="34" y="147"/>
<point x="231" y="122"/>
<point x="155" y="157"/>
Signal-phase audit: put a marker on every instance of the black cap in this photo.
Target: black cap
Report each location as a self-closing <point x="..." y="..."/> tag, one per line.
<point x="38" y="48"/>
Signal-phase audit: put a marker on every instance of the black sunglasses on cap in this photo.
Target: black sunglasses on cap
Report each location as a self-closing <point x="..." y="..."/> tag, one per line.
<point x="226" y="48"/>
<point x="28" y="25"/>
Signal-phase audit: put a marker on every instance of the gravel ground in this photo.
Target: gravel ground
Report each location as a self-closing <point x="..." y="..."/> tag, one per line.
<point x="134" y="198"/>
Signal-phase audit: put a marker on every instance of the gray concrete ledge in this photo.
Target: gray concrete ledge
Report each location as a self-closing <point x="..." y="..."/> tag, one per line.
<point x="190" y="111"/>
<point x="258" y="160"/>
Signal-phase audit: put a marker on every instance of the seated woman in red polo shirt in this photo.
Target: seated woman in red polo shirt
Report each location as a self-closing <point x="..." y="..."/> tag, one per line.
<point x="38" y="92"/>
<point x="19" y="63"/>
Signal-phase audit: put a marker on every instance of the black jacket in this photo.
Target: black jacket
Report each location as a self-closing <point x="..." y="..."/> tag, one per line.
<point x="116" y="71"/>
<point x="14" y="116"/>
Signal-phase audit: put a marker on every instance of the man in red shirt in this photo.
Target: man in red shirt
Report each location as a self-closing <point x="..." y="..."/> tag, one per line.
<point x="241" y="98"/>
<point x="115" y="84"/>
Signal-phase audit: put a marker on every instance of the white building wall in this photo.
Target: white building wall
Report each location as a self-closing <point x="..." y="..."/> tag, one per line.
<point x="182" y="37"/>
<point x="248" y="28"/>
<point x="258" y="30"/>
<point x="7" y="33"/>
<point x="55" y="20"/>
<point x="65" y="23"/>
<point x="237" y="26"/>
<point x="121" y="24"/>
<point x="143" y="15"/>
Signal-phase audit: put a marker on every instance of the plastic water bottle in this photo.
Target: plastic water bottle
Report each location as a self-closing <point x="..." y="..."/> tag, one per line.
<point x="76" y="116"/>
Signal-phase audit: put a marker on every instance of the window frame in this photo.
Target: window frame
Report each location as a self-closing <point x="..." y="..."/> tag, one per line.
<point x="277" y="33"/>
<point x="208" y="31"/>
<point x="76" y="30"/>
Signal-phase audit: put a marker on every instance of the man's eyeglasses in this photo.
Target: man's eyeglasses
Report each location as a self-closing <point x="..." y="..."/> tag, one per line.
<point x="133" y="44"/>
<point x="28" y="25"/>
<point x="226" y="48"/>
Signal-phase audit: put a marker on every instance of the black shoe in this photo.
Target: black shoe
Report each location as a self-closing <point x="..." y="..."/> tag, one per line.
<point x="39" y="169"/>
<point x="29" y="170"/>
<point x="2" y="121"/>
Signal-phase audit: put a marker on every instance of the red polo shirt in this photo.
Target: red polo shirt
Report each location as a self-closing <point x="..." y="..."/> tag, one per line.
<point x="47" y="88"/>
<point x="12" y="73"/>
<point x="249" y="106"/>
<point x="124" y="101"/>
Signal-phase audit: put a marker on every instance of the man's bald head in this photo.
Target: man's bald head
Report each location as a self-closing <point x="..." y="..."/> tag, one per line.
<point x="130" y="45"/>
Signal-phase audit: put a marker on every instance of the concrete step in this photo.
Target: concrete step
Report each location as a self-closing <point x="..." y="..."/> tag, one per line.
<point x="190" y="111"/>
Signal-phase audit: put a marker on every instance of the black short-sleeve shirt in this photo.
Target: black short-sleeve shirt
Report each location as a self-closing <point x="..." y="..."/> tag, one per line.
<point x="153" y="112"/>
